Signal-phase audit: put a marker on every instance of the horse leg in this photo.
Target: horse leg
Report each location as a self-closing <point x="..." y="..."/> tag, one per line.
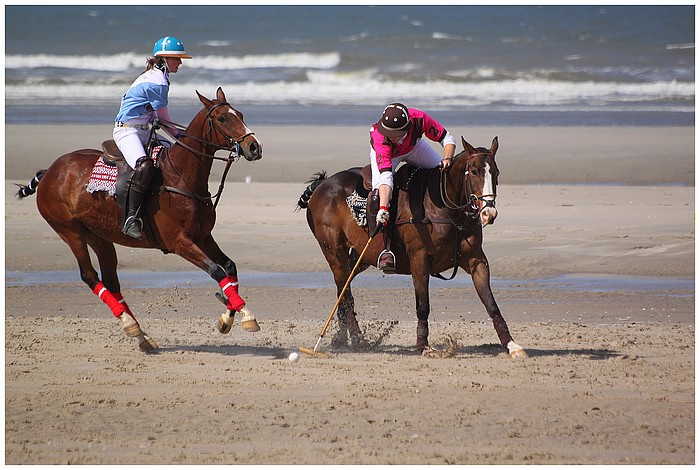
<point x="107" y="257"/>
<point x="346" y="308"/>
<point x="76" y="236"/>
<point x="222" y="269"/>
<point x="341" y="260"/>
<point x="420" y="285"/>
<point x="481" y="277"/>
<point x="347" y="320"/>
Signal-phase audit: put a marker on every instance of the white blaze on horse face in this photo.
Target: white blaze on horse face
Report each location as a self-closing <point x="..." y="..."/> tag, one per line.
<point x="488" y="212"/>
<point x="252" y="151"/>
<point x="246" y="130"/>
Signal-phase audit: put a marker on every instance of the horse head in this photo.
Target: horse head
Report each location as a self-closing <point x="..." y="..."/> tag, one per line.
<point x="480" y="180"/>
<point x="226" y="128"/>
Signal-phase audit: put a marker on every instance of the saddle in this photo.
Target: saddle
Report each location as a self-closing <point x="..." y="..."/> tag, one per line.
<point x="412" y="181"/>
<point x="409" y="179"/>
<point x="113" y="157"/>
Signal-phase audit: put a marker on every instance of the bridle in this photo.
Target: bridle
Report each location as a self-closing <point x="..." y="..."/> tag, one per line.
<point x="233" y="147"/>
<point x="234" y="143"/>
<point x="471" y="207"/>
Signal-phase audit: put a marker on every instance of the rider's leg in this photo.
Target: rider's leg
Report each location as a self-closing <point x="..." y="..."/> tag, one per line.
<point x="386" y="260"/>
<point x="131" y="141"/>
<point x="423" y="155"/>
<point x="140" y="184"/>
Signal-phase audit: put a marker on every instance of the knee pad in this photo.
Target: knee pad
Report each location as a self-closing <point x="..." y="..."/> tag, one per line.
<point x="143" y="174"/>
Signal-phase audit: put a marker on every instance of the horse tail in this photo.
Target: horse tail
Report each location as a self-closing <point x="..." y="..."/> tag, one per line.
<point x="30" y="189"/>
<point x="317" y="179"/>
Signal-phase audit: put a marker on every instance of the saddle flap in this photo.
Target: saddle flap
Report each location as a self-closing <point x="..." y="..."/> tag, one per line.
<point x="110" y="152"/>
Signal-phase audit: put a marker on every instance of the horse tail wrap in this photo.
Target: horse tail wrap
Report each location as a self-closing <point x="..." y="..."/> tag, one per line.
<point x="30" y="189"/>
<point x="316" y="180"/>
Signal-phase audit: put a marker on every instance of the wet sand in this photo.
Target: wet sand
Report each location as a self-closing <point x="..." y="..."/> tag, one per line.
<point x="610" y="373"/>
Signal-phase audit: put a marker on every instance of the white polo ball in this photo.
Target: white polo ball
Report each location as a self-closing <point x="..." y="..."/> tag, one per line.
<point x="294" y="357"/>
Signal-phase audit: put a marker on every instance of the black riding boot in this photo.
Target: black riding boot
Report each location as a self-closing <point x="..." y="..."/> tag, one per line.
<point x="140" y="183"/>
<point x="133" y="225"/>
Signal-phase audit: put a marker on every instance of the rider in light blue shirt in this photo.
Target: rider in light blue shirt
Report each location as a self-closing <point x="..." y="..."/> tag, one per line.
<point x="145" y="100"/>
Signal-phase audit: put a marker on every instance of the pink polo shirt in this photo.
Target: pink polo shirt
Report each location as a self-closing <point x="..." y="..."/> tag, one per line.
<point x="421" y="124"/>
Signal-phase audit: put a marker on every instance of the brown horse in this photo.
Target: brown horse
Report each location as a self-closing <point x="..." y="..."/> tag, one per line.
<point x="178" y="215"/>
<point x="457" y="203"/>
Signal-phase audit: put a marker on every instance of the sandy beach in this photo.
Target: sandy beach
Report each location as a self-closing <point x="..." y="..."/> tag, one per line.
<point x="593" y="265"/>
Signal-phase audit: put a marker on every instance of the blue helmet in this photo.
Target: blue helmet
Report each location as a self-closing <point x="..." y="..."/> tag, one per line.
<point x="170" y="46"/>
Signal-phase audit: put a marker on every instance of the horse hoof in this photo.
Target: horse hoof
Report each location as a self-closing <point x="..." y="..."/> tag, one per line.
<point x="515" y="351"/>
<point x="147" y="344"/>
<point x="358" y="342"/>
<point x="248" y="321"/>
<point x="250" y="325"/>
<point x="225" y="323"/>
<point x="132" y="328"/>
<point x="518" y="354"/>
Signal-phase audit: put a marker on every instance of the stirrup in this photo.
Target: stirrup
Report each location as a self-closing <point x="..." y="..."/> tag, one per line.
<point x="386" y="262"/>
<point x="132" y="227"/>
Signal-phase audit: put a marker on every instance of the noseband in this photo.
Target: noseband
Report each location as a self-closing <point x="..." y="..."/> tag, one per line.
<point x="471" y="208"/>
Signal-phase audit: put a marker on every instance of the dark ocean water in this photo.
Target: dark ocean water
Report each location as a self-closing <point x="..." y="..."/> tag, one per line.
<point x="476" y="65"/>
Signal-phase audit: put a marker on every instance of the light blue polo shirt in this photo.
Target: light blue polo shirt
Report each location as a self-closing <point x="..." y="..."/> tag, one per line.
<point x="148" y="93"/>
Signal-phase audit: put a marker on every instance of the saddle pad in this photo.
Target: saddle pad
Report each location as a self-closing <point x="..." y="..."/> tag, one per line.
<point x="104" y="177"/>
<point x="358" y="208"/>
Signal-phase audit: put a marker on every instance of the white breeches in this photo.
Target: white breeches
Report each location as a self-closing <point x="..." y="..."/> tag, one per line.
<point x="131" y="141"/>
<point x="422" y="155"/>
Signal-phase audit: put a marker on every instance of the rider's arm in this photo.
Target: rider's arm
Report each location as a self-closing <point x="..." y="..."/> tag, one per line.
<point x="449" y="145"/>
<point x="437" y="133"/>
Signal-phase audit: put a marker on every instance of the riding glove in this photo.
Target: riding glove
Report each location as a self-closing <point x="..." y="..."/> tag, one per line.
<point x="383" y="215"/>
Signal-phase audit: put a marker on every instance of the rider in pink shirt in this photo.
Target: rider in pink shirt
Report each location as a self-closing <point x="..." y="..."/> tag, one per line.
<point x="395" y="138"/>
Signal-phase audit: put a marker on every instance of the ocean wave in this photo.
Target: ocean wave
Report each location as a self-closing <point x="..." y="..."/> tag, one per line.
<point x="366" y="89"/>
<point x="129" y="61"/>
<point x="451" y="37"/>
<point x="690" y="45"/>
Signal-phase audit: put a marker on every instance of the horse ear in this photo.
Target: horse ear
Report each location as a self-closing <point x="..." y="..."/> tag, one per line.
<point x="494" y="145"/>
<point x="204" y="101"/>
<point x="467" y="146"/>
<point x="220" y="95"/>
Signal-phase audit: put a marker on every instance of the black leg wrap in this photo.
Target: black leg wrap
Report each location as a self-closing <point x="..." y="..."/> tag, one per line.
<point x="230" y="268"/>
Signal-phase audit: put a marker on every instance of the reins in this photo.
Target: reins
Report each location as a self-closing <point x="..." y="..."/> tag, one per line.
<point x="471" y="199"/>
<point x="234" y="150"/>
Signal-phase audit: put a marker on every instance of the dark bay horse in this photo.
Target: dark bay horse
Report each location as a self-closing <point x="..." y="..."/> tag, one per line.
<point x="178" y="215"/>
<point x="457" y="203"/>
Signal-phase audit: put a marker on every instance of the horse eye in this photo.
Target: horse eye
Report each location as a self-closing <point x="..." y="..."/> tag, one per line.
<point x="221" y="119"/>
<point x="474" y="172"/>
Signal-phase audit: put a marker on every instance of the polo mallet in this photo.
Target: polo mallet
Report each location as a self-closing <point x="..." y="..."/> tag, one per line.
<point x="313" y="352"/>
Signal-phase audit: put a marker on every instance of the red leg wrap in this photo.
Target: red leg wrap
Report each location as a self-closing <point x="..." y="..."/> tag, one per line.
<point x="120" y="299"/>
<point x="107" y="297"/>
<point x="230" y="288"/>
